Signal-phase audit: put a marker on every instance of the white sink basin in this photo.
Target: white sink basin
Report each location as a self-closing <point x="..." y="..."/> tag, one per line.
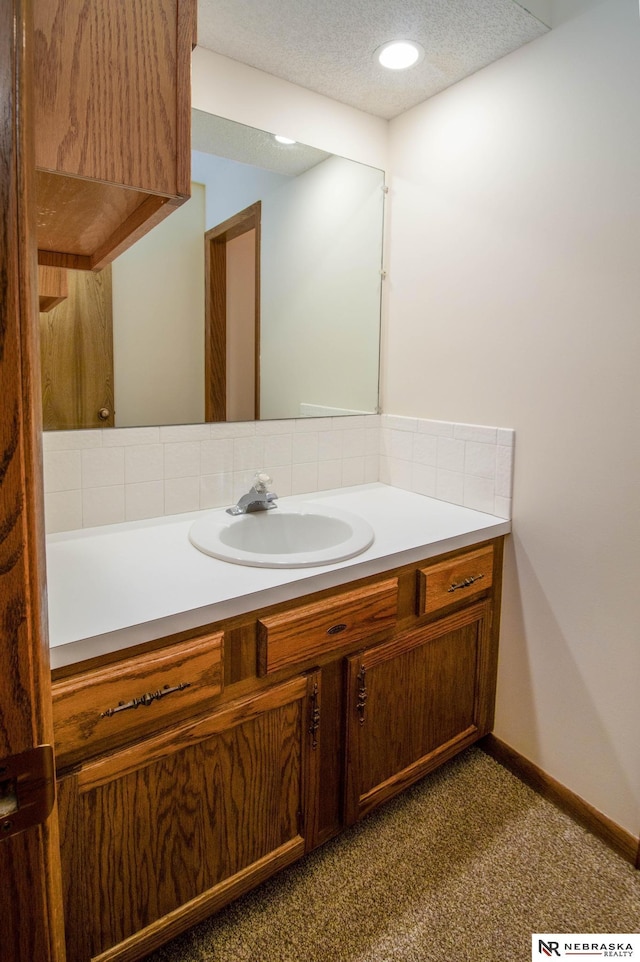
<point x="296" y="536"/>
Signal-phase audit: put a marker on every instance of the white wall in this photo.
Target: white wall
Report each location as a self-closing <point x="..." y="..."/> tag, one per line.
<point x="320" y="294"/>
<point x="158" y="322"/>
<point x="230" y="186"/>
<point x="514" y="299"/>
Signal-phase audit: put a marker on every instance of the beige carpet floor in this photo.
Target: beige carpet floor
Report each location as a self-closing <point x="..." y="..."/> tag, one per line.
<point x="462" y="867"/>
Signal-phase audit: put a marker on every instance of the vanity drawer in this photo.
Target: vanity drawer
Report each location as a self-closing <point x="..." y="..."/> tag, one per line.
<point x="454" y="580"/>
<point x="103" y="708"/>
<point x="311" y="631"/>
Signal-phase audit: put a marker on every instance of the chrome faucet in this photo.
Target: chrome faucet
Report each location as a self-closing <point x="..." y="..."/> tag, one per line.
<point x="257" y="499"/>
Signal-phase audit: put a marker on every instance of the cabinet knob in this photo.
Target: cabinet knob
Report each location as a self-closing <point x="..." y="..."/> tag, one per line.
<point x="104" y="414"/>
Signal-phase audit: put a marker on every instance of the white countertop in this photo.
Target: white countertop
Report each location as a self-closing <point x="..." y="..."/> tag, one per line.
<point x="124" y="584"/>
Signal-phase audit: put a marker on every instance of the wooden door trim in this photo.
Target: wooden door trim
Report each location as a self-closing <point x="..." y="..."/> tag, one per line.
<point x="215" y="326"/>
<point x="31" y="900"/>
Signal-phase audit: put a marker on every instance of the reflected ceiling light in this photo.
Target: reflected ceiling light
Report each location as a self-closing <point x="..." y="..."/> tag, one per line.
<point x="283" y="140"/>
<point x="400" y="54"/>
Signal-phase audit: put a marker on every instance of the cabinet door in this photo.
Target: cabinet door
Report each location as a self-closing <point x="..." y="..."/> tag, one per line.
<point x="158" y="836"/>
<point x="112" y="115"/>
<point x="414" y="702"/>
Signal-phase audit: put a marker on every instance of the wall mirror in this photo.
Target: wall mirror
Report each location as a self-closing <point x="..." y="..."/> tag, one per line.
<point x="258" y="298"/>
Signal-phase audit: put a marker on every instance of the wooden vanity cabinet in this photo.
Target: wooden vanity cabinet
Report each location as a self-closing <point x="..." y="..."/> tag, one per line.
<point x="321" y="709"/>
<point x="157" y="836"/>
<point x="112" y="103"/>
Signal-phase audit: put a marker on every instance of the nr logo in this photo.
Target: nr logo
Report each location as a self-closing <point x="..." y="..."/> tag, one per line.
<point x="548" y="948"/>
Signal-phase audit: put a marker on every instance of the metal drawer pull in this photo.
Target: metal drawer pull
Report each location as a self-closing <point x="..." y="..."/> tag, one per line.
<point x="336" y="629"/>
<point x="315" y="717"/>
<point x="145" y="699"/>
<point x="362" y="694"/>
<point x="465" y="583"/>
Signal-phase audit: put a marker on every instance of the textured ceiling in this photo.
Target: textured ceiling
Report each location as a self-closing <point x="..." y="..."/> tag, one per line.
<point x="225" y="138"/>
<point x="328" y="45"/>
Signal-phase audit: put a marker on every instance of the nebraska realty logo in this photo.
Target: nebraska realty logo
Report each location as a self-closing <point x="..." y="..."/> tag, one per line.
<point x="559" y="946"/>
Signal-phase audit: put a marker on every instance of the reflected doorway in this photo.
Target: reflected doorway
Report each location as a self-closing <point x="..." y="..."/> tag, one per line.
<point x="76" y="352"/>
<point x="232" y="318"/>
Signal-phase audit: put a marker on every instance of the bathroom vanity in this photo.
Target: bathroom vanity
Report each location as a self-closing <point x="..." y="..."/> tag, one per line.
<point x="197" y="762"/>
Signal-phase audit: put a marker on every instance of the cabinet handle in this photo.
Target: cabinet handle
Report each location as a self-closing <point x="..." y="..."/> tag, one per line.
<point x="362" y="693"/>
<point x="336" y="629"/>
<point x="315" y="716"/>
<point x="145" y="699"/>
<point x="465" y="583"/>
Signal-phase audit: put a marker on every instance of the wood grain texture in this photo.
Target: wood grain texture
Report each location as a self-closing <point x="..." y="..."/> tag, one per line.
<point x="197" y="817"/>
<point x="76" y="355"/>
<point x="312" y="732"/>
<point x="215" y="248"/>
<point x="331" y="751"/>
<point x="105" y="91"/>
<point x="459" y="579"/>
<point x="215" y="330"/>
<point x="52" y="287"/>
<point x="82" y="728"/>
<point x="599" y="824"/>
<point x="30" y="894"/>
<point x="113" y="111"/>
<point x="139" y="754"/>
<point x="187" y="34"/>
<point x="424" y="695"/>
<point x="315" y="629"/>
<point x="201" y="907"/>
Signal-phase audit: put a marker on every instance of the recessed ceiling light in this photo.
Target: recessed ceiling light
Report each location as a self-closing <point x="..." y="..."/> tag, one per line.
<point x="283" y="140"/>
<point x="400" y="54"/>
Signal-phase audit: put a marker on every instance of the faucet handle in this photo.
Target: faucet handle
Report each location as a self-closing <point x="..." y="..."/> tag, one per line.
<point x="261" y="482"/>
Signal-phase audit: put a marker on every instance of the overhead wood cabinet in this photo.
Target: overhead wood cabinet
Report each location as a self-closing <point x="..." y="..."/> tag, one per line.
<point x="112" y="122"/>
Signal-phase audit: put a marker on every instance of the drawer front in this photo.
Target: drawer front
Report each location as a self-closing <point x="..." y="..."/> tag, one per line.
<point x="455" y="580"/>
<point x="100" y="709"/>
<point x="312" y="631"/>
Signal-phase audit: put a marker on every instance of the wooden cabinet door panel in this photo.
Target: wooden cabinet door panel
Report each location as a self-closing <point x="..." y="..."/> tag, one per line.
<point x="161" y="841"/>
<point x="412" y="703"/>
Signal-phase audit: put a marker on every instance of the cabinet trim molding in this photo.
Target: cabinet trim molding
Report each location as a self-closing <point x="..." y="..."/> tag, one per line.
<point x="145" y="753"/>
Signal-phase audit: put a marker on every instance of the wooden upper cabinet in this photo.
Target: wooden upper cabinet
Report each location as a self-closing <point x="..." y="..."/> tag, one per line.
<point x="112" y="123"/>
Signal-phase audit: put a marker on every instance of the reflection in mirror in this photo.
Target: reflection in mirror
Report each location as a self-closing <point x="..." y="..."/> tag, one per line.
<point x="285" y="241"/>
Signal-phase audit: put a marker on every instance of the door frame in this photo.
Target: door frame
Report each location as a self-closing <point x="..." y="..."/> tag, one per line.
<point x="31" y="893"/>
<point x="215" y="312"/>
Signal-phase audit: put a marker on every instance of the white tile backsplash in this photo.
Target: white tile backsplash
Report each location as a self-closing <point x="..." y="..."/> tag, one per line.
<point x="305" y="447"/>
<point x="480" y="459"/>
<point x="181" y="494"/>
<point x="102" y="477"/>
<point x="63" y="470"/>
<point x="143" y="462"/>
<point x="216" y="490"/>
<point x="144" y="499"/>
<point x="304" y="478"/>
<point x="102" y="467"/>
<point x="466" y="464"/>
<point x="329" y="474"/>
<point x="102" y="505"/>
<point x="182" y="459"/>
<point x="216" y="456"/>
<point x="451" y="454"/>
<point x="450" y="486"/>
<point x="63" y="510"/>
